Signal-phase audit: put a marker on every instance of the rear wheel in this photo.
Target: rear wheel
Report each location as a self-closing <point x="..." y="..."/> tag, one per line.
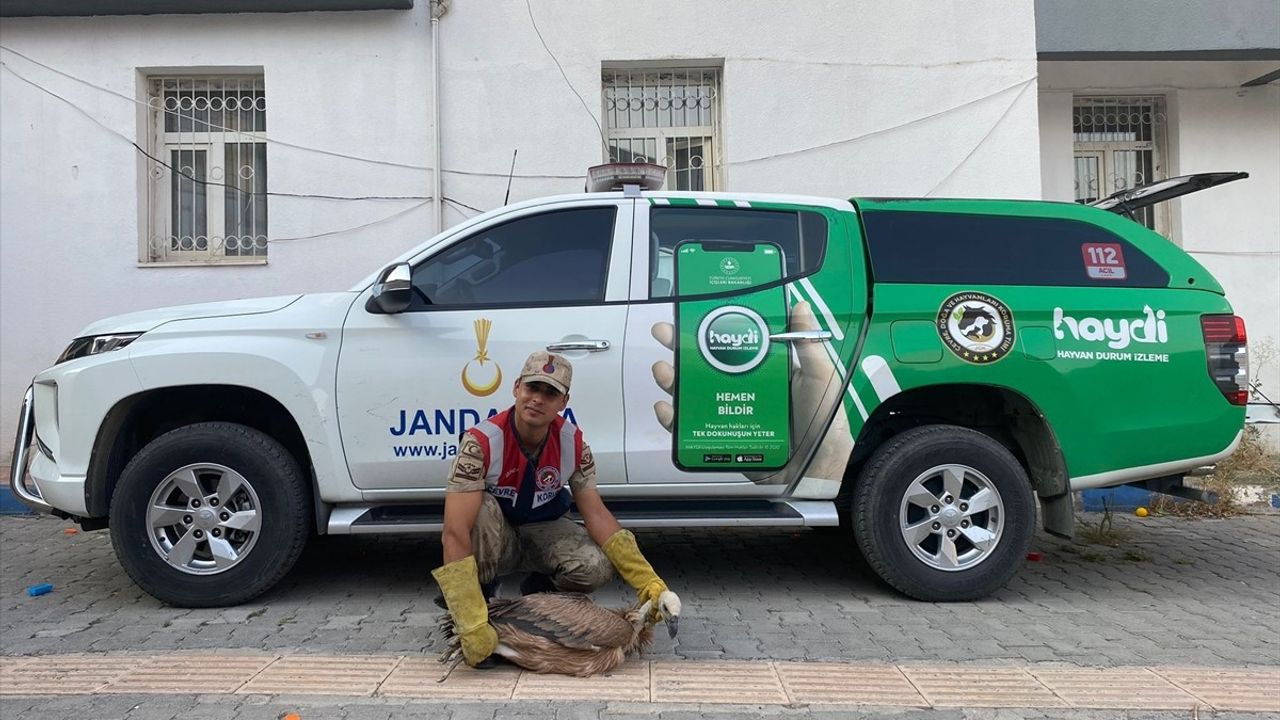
<point x="210" y="514"/>
<point x="944" y="513"/>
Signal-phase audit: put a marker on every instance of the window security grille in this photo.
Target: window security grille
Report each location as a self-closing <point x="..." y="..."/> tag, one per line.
<point x="1120" y="144"/>
<point x="669" y="117"/>
<point x="207" y="199"/>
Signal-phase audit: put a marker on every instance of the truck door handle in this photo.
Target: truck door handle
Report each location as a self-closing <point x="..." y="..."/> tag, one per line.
<point x="588" y="345"/>
<point x="802" y="336"/>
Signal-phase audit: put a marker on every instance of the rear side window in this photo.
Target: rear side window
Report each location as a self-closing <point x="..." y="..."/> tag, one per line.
<point x="801" y="235"/>
<point x="955" y="248"/>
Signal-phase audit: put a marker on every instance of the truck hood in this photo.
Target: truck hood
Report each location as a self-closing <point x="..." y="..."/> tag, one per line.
<point x="146" y="320"/>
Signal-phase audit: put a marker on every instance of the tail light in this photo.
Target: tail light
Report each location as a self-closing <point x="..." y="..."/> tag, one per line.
<point x="1227" y="348"/>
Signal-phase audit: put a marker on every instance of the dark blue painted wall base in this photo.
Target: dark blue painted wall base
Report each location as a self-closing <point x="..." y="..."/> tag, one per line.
<point x="1123" y="498"/>
<point x="9" y="504"/>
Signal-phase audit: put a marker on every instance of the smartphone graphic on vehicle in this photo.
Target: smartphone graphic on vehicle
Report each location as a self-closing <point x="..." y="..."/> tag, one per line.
<point x="733" y="383"/>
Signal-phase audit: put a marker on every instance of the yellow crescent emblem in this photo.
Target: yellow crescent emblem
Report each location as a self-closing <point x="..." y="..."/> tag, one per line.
<point x="482" y="327"/>
<point x="482" y="390"/>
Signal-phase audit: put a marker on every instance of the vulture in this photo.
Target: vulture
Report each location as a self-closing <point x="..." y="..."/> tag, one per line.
<point x="564" y="632"/>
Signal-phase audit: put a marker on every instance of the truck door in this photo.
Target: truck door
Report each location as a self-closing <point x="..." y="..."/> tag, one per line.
<point x="546" y="277"/>
<point x="703" y="403"/>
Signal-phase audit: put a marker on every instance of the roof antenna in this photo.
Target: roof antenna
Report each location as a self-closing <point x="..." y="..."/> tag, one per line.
<point x="511" y="175"/>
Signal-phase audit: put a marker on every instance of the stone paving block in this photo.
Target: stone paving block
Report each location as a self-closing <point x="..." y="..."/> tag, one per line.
<point x="1114" y="688"/>
<point x="1201" y="599"/>
<point x="830" y="683"/>
<point x="716" y="682"/>
<point x="1243" y="690"/>
<point x="417" y="677"/>
<point x="628" y="682"/>
<point x="66" y="675"/>
<point x="322" y="675"/>
<point x="974" y="687"/>
<point x="174" y="674"/>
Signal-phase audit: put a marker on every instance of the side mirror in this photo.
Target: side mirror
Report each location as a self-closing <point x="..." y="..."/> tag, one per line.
<point x="393" y="292"/>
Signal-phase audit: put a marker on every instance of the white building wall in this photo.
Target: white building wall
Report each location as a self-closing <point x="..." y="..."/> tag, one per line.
<point x="911" y="98"/>
<point x="1215" y="126"/>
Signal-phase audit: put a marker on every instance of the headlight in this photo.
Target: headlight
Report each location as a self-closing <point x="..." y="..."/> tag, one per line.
<point x="81" y="347"/>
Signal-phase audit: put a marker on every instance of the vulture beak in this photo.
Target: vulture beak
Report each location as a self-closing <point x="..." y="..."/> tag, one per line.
<point x="669" y="609"/>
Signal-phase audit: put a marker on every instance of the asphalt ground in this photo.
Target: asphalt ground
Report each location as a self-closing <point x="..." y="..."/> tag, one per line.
<point x="1173" y="593"/>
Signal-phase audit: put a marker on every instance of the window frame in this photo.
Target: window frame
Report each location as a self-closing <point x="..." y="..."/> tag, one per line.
<point x="161" y="143"/>
<point x="711" y="134"/>
<point x="1106" y="152"/>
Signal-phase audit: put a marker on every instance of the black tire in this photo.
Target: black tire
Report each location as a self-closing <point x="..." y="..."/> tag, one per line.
<point x="284" y="513"/>
<point x="879" y="507"/>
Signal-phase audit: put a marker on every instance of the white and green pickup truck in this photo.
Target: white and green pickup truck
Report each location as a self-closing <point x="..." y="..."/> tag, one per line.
<point x="921" y="371"/>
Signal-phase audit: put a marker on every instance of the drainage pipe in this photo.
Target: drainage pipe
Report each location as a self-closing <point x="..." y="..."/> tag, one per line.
<point x="438" y="9"/>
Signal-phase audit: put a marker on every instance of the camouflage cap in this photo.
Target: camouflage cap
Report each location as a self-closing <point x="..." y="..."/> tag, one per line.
<point x="553" y="370"/>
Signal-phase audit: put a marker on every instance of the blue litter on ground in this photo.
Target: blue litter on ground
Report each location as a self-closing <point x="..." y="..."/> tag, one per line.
<point x="1275" y="500"/>
<point x="1122" y="498"/>
<point x="10" y="505"/>
<point x="40" y="589"/>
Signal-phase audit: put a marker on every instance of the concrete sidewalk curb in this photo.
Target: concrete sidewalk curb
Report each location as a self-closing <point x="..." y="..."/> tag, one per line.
<point x="775" y="683"/>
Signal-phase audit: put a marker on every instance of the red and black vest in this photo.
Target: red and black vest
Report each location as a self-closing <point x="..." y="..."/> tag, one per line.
<point x="527" y="491"/>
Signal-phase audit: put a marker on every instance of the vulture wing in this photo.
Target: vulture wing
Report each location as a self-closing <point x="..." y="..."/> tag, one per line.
<point x="571" y="619"/>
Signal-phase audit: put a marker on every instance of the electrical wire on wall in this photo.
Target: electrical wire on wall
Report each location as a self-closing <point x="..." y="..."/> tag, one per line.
<point x="603" y="140"/>
<point x="295" y="146"/>
<point x="1024" y="84"/>
<point x="423" y="200"/>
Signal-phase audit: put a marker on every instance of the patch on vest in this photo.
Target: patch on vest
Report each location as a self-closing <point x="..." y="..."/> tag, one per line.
<point x="548" y="477"/>
<point x="548" y="485"/>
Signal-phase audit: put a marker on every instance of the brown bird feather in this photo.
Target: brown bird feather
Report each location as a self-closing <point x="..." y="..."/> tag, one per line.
<point x="558" y="632"/>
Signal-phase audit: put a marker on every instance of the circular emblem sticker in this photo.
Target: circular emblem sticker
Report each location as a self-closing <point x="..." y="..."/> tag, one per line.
<point x="729" y="266"/>
<point x="733" y="339"/>
<point x="977" y="327"/>
<point x="548" y="477"/>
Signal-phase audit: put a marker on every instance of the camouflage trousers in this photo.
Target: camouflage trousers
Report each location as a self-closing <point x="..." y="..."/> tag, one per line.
<point x="560" y="549"/>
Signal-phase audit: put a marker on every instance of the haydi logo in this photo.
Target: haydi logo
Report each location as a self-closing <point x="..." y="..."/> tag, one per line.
<point x="726" y="340"/>
<point x="733" y="339"/>
<point x="1150" y="328"/>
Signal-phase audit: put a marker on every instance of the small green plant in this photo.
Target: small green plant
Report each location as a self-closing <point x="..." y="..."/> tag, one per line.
<point x="1103" y="532"/>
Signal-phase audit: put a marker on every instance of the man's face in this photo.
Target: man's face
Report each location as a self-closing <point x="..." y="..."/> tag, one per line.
<point x="537" y="403"/>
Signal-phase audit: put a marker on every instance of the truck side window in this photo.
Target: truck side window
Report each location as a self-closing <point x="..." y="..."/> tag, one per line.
<point x="973" y="249"/>
<point x="559" y="257"/>
<point x="801" y="235"/>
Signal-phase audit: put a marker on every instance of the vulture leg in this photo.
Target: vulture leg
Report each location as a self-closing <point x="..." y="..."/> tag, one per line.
<point x="449" y="670"/>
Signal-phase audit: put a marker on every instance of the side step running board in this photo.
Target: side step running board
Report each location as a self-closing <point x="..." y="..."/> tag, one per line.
<point x="418" y="519"/>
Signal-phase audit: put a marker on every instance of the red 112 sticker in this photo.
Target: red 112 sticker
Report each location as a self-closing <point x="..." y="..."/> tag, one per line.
<point x="1104" y="261"/>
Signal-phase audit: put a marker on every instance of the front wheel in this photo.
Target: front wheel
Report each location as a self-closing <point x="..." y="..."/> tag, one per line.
<point x="210" y="515"/>
<point x="944" y="513"/>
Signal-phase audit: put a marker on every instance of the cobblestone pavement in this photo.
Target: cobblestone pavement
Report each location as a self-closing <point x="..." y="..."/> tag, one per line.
<point x="146" y="707"/>
<point x="1175" y="592"/>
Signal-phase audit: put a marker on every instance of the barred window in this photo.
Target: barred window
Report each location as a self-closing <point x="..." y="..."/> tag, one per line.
<point x="207" y="169"/>
<point x="666" y="116"/>
<point x="1119" y="143"/>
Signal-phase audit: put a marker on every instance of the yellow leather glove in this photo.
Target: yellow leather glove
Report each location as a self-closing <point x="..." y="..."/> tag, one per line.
<point x="460" y="583"/>
<point x="622" y="551"/>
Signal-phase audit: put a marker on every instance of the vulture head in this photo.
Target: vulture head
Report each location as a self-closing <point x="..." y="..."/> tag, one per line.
<point x="668" y="612"/>
<point x="567" y="633"/>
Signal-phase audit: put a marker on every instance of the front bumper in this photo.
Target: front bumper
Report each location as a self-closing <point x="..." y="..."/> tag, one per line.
<point x="22" y="456"/>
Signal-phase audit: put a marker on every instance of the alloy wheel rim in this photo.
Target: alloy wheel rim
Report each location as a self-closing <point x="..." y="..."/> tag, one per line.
<point x="951" y="517"/>
<point x="204" y="519"/>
